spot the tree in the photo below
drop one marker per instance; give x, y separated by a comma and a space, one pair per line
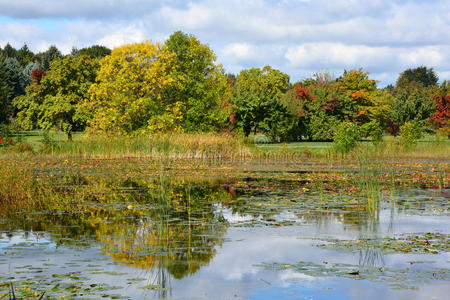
322, 109
37, 75
9, 51
28, 70
52, 99
25, 56
359, 96
203, 83
440, 118
412, 102
13, 82
46, 58
128, 96
423, 75
6, 91
95, 51
19, 80
256, 102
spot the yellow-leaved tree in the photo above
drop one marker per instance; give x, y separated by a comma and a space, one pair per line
127, 96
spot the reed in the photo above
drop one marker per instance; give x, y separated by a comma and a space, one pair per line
18, 188
174, 146
224, 149
21, 190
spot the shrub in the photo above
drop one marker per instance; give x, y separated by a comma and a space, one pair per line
346, 137
410, 132
21, 147
373, 130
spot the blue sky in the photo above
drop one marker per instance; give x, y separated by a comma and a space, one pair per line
299, 37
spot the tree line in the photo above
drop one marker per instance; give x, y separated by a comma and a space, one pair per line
146, 88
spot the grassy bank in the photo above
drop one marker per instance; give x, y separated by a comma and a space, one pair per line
217, 148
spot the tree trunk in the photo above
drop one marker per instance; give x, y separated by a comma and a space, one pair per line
69, 136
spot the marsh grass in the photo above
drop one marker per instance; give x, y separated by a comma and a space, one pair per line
369, 182
173, 146
392, 147
21, 190
216, 148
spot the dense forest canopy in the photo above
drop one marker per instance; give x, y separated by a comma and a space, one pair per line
146, 88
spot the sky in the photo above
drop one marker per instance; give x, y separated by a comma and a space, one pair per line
298, 37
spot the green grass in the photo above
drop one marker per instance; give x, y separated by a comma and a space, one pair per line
35, 137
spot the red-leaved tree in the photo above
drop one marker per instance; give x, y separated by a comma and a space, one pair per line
441, 117
37, 75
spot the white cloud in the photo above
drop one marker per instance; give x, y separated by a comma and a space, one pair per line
432, 55
195, 16
335, 55
379, 59
122, 36
240, 51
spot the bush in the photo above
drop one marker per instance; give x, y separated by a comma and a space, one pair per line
373, 130
409, 134
346, 137
21, 147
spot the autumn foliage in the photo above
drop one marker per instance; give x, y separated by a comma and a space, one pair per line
302, 93
441, 117
37, 75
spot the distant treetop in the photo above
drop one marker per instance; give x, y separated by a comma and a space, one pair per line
95, 51
423, 75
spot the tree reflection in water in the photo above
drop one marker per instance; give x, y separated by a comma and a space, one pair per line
170, 229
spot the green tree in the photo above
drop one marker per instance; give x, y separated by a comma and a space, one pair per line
412, 102
18, 78
6, 91
53, 102
9, 51
95, 51
423, 75
46, 58
203, 83
24, 55
128, 96
256, 102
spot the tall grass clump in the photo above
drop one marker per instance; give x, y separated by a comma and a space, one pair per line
369, 183
21, 190
18, 189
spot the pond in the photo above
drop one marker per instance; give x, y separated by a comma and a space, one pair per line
251, 236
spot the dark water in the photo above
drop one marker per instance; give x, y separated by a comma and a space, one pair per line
239, 239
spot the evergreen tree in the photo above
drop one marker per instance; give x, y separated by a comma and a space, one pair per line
6, 91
